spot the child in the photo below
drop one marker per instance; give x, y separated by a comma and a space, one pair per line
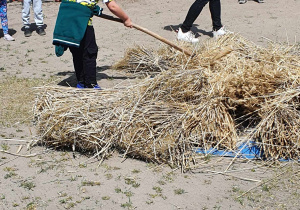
38, 17
80, 38
4, 22
184, 32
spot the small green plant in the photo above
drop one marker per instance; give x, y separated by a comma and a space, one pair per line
179, 191
9, 169
127, 205
149, 202
105, 198
265, 188
235, 189
31, 206
240, 200
90, 183
132, 182
217, 207
169, 177
136, 171
28, 185
73, 178
128, 194
161, 182
15, 205
10, 174
25, 197
157, 189
82, 165
5, 146
29, 61
70, 205
118, 190
108, 176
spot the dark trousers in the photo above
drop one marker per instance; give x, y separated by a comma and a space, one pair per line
84, 58
195, 10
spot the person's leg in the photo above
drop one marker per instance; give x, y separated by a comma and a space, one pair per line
4, 21
77, 54
3, 16
193, 14
26, 13
90, 53
38, 13
215, 11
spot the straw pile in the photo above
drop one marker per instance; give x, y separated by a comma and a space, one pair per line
229, 86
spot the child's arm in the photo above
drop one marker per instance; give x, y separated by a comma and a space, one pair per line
116, 10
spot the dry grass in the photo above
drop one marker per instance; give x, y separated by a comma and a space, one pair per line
205, 101
17, 98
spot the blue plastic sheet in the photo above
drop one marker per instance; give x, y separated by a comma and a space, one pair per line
248, 150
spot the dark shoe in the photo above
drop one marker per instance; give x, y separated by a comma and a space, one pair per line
41, 31
27, 32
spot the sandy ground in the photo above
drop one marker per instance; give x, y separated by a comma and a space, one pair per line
45, 179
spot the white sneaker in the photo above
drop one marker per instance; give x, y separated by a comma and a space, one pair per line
187, 37
8, 37
242, 1
219, 32
260, 1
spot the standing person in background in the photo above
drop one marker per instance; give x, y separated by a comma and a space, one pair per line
184, 32
74, 30
4, 21
38, 17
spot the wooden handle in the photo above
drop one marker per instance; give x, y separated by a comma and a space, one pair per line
108, 17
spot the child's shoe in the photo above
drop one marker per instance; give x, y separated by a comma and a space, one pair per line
187, 37
242, 1
80, 85
8, 37
41, 31
94, 86
219, 32
97, 87
27, 32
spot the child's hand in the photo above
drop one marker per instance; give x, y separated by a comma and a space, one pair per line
128, 23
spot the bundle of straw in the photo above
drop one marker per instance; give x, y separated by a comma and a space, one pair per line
205, 101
